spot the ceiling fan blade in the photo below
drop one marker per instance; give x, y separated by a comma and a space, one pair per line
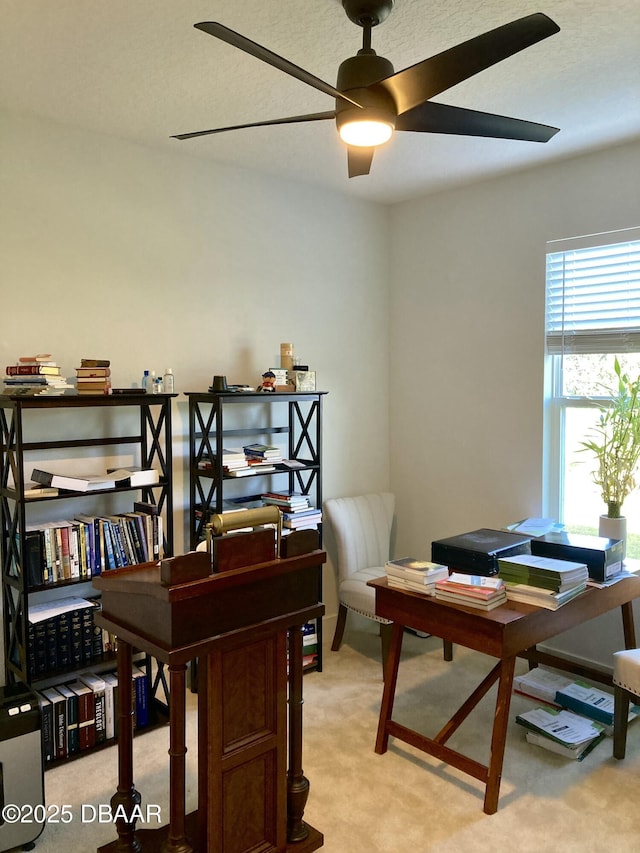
422, 81
432, 117
268, 56
289, 120
359, 160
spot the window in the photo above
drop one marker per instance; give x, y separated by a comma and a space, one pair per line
592, 316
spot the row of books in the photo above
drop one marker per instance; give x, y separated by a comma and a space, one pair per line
577, 715
62, 635
542, 581
87, 545
81, 714
414, 575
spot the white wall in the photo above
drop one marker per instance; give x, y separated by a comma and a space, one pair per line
151, 259
467, 343
113, 250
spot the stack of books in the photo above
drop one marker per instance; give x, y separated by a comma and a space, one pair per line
263, 453
560, 731
302, 519
542, 581
415, 575
234, 463
287, 501
93, 376
37, 374
479, 591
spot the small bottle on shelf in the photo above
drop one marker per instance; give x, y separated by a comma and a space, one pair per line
168, 381
145, 381
158, 385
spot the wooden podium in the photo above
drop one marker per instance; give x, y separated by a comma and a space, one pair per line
245, 628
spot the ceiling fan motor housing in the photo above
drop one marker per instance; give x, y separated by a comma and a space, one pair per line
356, 77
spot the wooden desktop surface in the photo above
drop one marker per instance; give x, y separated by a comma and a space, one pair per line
505, 633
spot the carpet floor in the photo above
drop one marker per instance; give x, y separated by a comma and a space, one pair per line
403, 800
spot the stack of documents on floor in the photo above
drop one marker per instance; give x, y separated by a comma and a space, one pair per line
542, 684
542, 581
561, 731
483, 593
415, 575
591, 702
577, 696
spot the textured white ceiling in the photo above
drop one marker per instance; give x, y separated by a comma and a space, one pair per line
138, 70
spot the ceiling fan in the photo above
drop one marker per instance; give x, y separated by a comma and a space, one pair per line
372, 100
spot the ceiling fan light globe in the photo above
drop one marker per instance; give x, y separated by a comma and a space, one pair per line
367, 133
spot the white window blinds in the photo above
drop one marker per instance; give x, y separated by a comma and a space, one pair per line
593, 294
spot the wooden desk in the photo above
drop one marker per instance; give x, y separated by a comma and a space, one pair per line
509, 631
245, 626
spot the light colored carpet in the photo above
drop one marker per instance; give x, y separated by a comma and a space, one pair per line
403, 800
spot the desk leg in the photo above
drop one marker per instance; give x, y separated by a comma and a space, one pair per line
499, 735
388, 694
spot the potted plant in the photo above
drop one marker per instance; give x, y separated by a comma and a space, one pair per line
615, 442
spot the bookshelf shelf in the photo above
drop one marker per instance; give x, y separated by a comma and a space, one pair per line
292, 421
33, 428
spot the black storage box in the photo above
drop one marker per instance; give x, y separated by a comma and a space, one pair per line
477, 552
603, 557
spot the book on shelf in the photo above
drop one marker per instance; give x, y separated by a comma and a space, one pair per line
154, 527
110, 703
32, 370
92, 372
36, 381
97, 686
59, 721
86, 714
286, 500
41, 358
140, 692
266, 451
95, 362
134, 476
37, 490
46, 717
78, 483
72, 733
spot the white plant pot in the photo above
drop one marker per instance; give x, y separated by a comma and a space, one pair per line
614, 528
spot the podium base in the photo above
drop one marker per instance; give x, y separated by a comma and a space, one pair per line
155, 840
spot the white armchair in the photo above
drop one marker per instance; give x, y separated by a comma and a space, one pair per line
362, 529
